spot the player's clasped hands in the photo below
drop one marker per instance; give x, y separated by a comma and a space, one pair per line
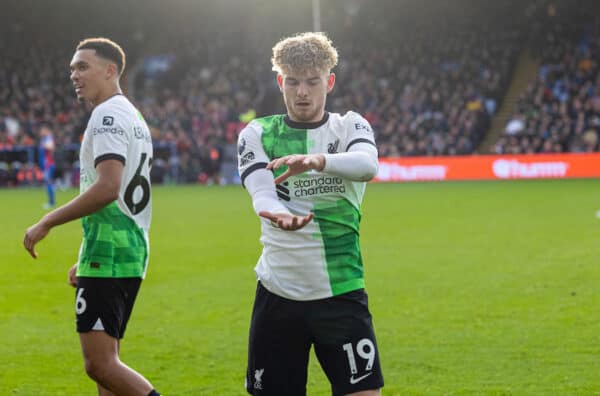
297, 163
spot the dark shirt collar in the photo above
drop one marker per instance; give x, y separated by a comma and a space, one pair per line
306, 125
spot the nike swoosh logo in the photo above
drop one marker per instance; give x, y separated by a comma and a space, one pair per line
357, 380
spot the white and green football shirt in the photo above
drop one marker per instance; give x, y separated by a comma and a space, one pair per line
115, 238
322, 259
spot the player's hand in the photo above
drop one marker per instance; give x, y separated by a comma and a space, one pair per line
33, 235
73, 275
287, 221
297, 163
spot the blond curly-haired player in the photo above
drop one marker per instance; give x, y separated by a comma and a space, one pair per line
306, 173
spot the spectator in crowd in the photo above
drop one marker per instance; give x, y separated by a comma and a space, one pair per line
47, 164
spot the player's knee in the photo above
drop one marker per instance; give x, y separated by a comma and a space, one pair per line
97, 368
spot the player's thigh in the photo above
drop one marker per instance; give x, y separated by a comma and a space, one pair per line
345, 343
278, 347
98, 347
105, 304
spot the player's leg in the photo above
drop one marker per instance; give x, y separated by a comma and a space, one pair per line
102, 391
345, 344
278, 348
102, 364
103, 309
49, 179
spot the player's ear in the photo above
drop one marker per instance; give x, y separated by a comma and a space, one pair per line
330, 82
111, 71
280, 82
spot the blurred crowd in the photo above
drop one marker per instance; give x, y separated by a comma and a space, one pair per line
559, 111
428, 94
427, 88
35, 93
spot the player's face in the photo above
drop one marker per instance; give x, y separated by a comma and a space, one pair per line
90, 75
304, 93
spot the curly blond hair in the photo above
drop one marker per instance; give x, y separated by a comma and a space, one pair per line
304, 51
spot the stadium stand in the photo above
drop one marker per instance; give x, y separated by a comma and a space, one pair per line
559, 111
429, 79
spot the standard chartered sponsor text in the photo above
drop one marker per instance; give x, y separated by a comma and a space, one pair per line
318, 185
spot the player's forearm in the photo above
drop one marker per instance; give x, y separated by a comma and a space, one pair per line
353, 165
265, 201
261, 188
95, 198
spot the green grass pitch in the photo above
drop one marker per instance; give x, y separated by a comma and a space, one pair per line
480, 288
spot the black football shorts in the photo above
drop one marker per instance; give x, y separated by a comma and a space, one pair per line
105, 304
282, 332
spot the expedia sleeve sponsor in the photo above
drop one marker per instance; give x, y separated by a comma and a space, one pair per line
105, 129
109, 132
358, 130
359, 126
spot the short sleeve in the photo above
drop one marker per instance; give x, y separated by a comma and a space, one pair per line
359, 131
109, 131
